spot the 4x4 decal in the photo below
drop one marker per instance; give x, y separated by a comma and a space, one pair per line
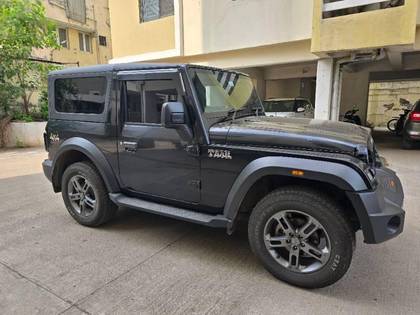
219, 154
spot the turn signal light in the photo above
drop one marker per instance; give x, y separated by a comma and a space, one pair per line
415, 116
298, 173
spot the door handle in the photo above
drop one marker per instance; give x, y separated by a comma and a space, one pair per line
129, 146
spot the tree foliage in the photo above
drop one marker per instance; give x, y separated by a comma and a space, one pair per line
23, 28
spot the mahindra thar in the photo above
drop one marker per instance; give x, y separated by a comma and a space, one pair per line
193, 143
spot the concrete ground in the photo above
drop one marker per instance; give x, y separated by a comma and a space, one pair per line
141, 263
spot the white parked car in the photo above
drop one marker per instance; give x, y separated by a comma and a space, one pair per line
298, 107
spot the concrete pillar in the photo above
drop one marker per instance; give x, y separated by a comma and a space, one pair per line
324, 88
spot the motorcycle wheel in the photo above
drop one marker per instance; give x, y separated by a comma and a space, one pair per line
392, 124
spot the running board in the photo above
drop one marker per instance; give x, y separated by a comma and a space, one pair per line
217, 221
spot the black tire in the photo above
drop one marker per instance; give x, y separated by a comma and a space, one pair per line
392, 124
326, 212
407, 144
104, 208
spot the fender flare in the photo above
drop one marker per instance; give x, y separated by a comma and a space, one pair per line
94, 154
342, 176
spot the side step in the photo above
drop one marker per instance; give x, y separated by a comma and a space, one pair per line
217, 221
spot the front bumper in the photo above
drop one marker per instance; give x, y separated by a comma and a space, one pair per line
47, 167
380, 211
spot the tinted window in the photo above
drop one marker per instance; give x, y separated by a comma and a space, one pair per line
280, 106
133, 102
155, 94
80, 95
417, 106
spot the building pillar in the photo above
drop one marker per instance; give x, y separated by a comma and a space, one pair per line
324, 88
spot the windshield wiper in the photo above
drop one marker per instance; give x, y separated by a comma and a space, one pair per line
229, 115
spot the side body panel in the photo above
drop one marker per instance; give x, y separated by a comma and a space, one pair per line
93, 135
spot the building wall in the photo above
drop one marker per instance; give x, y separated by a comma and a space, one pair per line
284, 88
97, 23
378, 28
354, 92
293, 52
216, 26
381, 93
130, 37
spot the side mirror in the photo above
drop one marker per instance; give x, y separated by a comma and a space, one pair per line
173, 114
174, 117
300, 109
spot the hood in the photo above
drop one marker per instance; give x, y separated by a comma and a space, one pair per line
297, 133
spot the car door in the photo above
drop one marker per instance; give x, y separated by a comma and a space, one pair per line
153, 160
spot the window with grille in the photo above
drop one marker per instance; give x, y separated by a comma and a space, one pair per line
85, 42
76, 10
155, 9
102, 40
63, 38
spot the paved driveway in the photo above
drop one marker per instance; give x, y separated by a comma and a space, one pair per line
141, 263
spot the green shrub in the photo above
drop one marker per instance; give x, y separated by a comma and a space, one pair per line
22, 117
43, 104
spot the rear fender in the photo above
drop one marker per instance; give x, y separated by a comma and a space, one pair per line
95, 156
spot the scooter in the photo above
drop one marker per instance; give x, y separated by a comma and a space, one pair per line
351, 117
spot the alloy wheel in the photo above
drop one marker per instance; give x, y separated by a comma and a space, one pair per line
297, 241
81, 195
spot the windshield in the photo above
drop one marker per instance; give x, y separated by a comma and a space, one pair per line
223, 94
280, 106
283, 106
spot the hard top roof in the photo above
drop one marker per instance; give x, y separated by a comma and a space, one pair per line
125, 66
278, 99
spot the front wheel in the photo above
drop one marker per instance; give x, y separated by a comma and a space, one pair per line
301, 237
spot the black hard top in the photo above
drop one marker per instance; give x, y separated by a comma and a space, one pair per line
115, 67
127, 66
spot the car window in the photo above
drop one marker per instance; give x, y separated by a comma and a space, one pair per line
144, 99
80, 95
304, 104
133, 101
416, 106
279, 106
156, 93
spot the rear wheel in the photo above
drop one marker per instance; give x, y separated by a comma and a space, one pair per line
301, 237
392, 124
85, 195
407, 144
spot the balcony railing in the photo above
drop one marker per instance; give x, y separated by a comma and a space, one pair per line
333, 8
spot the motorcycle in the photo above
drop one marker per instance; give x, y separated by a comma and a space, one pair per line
351, 117
396, 124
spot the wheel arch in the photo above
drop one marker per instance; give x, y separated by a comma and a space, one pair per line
268, 173
79, 149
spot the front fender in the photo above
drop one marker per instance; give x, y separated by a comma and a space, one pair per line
93, 153
342, 176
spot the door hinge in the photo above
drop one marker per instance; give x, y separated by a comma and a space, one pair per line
193, 149
195, 183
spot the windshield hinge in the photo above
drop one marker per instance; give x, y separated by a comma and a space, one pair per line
193, 149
